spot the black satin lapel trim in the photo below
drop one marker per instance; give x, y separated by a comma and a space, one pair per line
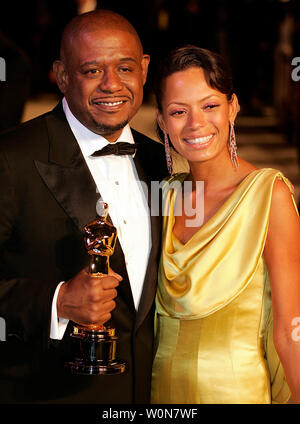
150, 281
63, 147
138, 161
74, 189
117, 264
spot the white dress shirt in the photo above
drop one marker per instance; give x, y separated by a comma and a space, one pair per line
117, 181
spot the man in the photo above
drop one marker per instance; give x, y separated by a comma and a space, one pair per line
50, 184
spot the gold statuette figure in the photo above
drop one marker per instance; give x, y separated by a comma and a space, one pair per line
96, 344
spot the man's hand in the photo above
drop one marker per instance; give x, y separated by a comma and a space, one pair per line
88, 300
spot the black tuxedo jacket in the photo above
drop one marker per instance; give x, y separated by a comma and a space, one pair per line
47, 196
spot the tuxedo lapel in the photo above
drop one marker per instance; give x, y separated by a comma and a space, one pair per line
66, 173
79, 204
149, 288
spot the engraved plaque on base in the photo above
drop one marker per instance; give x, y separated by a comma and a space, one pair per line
96, 345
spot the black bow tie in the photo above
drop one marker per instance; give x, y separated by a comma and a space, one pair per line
116, 149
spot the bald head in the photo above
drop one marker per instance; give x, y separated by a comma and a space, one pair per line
91, 22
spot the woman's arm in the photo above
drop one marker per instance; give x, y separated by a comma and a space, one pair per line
282, 256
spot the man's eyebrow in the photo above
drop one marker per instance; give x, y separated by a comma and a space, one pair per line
92, 62
96, 62
128, 59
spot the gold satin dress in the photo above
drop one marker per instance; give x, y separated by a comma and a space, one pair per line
214, 323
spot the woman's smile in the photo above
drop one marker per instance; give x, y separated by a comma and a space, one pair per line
199, 142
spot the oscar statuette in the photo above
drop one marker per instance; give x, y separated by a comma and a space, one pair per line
96, 344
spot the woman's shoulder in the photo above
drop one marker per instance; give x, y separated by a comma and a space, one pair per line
274, 182
282, 190
279, 182
275, 176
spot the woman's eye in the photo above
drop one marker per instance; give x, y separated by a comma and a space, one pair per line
177, 113
211, 106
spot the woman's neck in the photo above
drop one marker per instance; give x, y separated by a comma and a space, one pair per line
218, 174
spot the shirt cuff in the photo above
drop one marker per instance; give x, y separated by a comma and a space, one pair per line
58, 325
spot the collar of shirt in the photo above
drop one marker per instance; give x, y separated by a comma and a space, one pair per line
89, 141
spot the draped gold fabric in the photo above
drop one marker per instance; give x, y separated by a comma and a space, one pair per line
214, 339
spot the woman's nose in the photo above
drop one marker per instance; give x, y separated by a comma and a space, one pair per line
196, 119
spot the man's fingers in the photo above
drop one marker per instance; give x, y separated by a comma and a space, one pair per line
109, 283
114, 274
104, 319
103, 291
109, 306
104, 295
101, 314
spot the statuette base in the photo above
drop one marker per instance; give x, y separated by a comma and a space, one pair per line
96, 351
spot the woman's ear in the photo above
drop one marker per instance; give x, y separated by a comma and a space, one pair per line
234, 108
160, 121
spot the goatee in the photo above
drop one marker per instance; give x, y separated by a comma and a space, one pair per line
104, 129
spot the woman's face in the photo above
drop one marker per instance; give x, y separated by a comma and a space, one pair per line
196, 116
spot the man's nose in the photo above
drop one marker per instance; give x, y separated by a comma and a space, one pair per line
110, 81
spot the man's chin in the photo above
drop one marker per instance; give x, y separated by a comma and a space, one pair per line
108, 130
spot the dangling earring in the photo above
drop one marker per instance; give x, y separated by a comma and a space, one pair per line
168, 154
233, 147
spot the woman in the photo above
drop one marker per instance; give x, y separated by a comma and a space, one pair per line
215, 316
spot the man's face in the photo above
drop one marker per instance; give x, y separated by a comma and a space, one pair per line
102, 78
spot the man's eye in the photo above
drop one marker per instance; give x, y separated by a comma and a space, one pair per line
91, 71
125, 69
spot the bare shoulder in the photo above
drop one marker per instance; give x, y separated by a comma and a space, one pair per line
283, 212
281, 191
283, 205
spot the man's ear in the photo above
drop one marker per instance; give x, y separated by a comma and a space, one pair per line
234, 107
145, 64
61, 75
160, 121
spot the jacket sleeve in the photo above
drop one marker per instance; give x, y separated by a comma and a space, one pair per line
25, 303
